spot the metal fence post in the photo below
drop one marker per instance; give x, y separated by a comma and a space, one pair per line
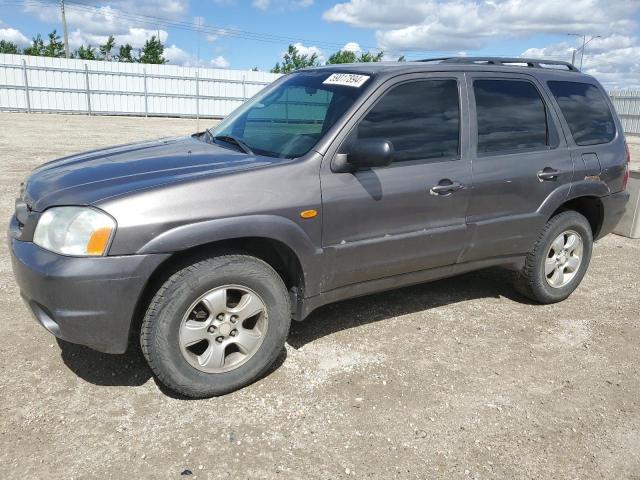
86, 78
26, 85
244, 88
197, 96
146, 102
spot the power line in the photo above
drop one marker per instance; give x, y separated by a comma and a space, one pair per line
158, 21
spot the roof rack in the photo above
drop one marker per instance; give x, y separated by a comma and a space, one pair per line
504, 61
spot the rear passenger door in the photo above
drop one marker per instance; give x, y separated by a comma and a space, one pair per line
519, 157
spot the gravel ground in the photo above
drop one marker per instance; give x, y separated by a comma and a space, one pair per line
460, 378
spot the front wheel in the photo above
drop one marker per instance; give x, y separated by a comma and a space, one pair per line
558, 261
216, 325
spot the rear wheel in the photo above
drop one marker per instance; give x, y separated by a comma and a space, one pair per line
216, 325
559, 259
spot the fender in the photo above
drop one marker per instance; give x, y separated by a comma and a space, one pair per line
273, 227
582, 188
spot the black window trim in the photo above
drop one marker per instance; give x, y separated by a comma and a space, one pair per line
425, 161
565, 123
554, 143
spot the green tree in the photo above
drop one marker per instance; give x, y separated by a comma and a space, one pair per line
125, 54
106, 48
402, 59
85, 53
36, 48
343, 56
370, 57
292, 60
347, 56
8, 47
55, 48
152, 51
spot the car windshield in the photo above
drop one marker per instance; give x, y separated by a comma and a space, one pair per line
287, 119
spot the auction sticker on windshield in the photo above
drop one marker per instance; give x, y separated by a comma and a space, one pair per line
346, 79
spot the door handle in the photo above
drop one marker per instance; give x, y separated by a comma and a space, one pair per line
446, 187
548, 173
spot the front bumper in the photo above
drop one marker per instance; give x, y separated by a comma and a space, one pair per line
90, 301
614, 206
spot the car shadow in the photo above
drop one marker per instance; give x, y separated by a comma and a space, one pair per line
131, 369
489, 283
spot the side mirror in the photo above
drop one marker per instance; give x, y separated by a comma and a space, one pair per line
365, 153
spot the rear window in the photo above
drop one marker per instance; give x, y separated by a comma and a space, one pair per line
586, 111
511, 116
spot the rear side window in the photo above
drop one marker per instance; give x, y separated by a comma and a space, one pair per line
421, 119
586, 111
511, 116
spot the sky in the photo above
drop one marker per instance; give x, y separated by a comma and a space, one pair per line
243, 34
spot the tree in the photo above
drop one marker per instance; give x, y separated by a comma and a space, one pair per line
36, 48
402, 59
347, 56
105, 48
55, 48
292, 60
343, 56
8, 47
85, 53
370, 57
125, 54
152, 51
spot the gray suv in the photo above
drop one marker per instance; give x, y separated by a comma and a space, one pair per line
331, 183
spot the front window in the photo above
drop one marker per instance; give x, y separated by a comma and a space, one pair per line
288, 119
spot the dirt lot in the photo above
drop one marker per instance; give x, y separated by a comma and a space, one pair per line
461, 378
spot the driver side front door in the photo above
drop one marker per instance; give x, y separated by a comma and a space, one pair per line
409, 216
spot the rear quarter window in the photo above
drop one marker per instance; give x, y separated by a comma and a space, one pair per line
586, 111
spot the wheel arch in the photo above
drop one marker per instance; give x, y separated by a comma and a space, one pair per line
590, 207
278, 255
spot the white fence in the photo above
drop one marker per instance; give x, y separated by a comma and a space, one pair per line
627, 103
41, 84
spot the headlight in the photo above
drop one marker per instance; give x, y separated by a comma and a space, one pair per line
79, 231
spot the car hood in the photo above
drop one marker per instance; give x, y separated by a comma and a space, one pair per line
92, 176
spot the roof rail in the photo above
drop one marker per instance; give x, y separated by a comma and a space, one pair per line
504, 61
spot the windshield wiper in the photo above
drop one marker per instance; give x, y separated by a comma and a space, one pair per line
229, 139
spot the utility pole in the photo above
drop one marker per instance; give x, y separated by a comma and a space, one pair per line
573, 57
64, 27
585, 42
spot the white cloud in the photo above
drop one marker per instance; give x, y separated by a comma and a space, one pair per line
220, 62
304, 50
261, 4
612, 60
176, 56
352, 47
136, 37
12, 35
469, 24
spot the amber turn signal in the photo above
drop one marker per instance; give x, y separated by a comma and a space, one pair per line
98, 241
308, 213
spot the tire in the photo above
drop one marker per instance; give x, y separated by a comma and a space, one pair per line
538, 280
172, 316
